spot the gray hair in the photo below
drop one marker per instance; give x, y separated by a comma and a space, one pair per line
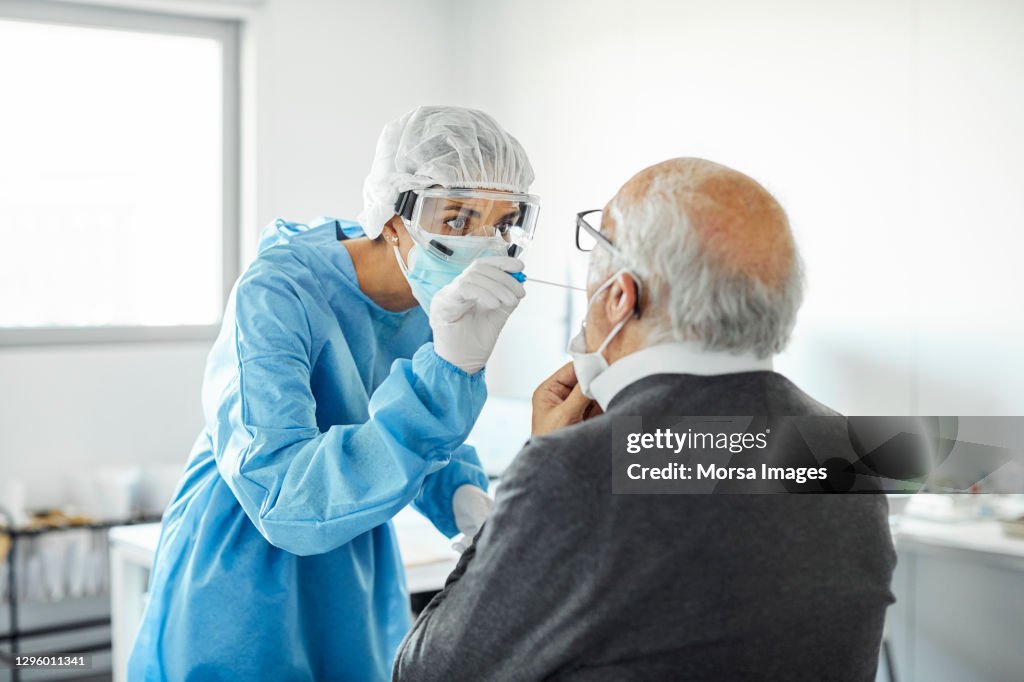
692, 294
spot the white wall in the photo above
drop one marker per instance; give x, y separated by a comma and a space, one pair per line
890, 131
328, 74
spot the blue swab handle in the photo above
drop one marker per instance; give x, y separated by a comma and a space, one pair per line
518, 276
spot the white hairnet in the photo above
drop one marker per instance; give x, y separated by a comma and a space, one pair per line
447, 146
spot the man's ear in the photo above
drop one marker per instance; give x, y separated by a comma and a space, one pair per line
621, 300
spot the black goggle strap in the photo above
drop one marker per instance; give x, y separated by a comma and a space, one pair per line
405, 204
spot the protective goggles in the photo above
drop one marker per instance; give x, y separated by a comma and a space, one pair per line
459, 225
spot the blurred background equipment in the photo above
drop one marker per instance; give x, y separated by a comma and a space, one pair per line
54, 565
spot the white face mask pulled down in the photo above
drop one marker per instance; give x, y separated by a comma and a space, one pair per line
589, 366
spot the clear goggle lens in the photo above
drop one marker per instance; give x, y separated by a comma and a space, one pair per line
460, 225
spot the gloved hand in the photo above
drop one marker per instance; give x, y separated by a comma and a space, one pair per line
468, 314
471, 506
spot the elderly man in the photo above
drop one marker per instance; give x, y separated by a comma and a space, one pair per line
694, 285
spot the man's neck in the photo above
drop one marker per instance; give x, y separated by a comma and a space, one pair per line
677, 357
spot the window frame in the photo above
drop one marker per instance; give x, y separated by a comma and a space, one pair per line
228, 33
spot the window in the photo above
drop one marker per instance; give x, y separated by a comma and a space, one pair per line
119, 173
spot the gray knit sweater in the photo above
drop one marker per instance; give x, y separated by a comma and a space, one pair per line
568, 581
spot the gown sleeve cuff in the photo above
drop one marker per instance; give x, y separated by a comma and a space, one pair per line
430, 355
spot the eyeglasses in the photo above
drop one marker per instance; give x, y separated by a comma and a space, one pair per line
588, 232
588, 235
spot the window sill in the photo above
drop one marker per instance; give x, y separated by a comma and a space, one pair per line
67, 336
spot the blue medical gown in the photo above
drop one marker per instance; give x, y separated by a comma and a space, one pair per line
325, 415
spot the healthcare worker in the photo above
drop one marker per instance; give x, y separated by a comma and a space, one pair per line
332, 401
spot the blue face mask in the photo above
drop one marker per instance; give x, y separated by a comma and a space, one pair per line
427, 273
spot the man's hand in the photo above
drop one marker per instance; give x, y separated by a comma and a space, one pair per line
558, 402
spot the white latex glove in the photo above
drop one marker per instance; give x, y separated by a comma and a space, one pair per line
468, 314
471, 506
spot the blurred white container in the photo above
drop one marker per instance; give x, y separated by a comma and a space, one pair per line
108, 494
78, 554
118, 490
156, 487
12, 500
51, 549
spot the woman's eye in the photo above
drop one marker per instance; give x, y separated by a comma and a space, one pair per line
503, 228
456, 224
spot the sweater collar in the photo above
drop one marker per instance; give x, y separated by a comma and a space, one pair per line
680, 357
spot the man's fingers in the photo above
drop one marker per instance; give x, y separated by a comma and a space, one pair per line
576, 403
557, 387
549, 415
564, 375
551, 393
592, 410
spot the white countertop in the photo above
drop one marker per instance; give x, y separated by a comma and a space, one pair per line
426, 553
976, 536
429, 558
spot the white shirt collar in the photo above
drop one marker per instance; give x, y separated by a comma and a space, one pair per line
682, 357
